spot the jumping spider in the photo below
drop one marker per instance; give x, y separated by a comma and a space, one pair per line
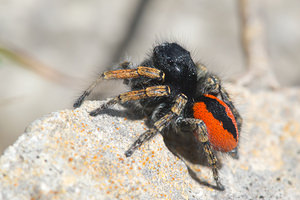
171, 89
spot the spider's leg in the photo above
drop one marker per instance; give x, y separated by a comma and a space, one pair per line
151, 73
200, 133
234, 153
154, 91
142, 139
160, 124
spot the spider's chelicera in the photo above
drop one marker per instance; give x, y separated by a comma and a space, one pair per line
170, 89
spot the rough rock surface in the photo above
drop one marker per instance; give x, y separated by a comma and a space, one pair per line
70, 155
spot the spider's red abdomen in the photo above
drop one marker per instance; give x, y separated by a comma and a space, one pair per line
219, 120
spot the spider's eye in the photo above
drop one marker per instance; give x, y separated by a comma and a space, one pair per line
170, 61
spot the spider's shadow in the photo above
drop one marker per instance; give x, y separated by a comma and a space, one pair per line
182, 146
186, 148
122, 113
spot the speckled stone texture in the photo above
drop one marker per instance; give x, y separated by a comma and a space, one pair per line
70, 155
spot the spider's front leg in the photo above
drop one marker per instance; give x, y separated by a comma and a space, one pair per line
200, 132
160, 124
148, 72
154, 91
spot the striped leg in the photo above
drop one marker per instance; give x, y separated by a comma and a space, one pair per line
154, 91
159, 125
200, 133
148, 72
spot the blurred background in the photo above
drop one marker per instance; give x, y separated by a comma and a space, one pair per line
51, 50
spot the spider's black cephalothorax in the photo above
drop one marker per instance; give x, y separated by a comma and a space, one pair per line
178, 66
176, 94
